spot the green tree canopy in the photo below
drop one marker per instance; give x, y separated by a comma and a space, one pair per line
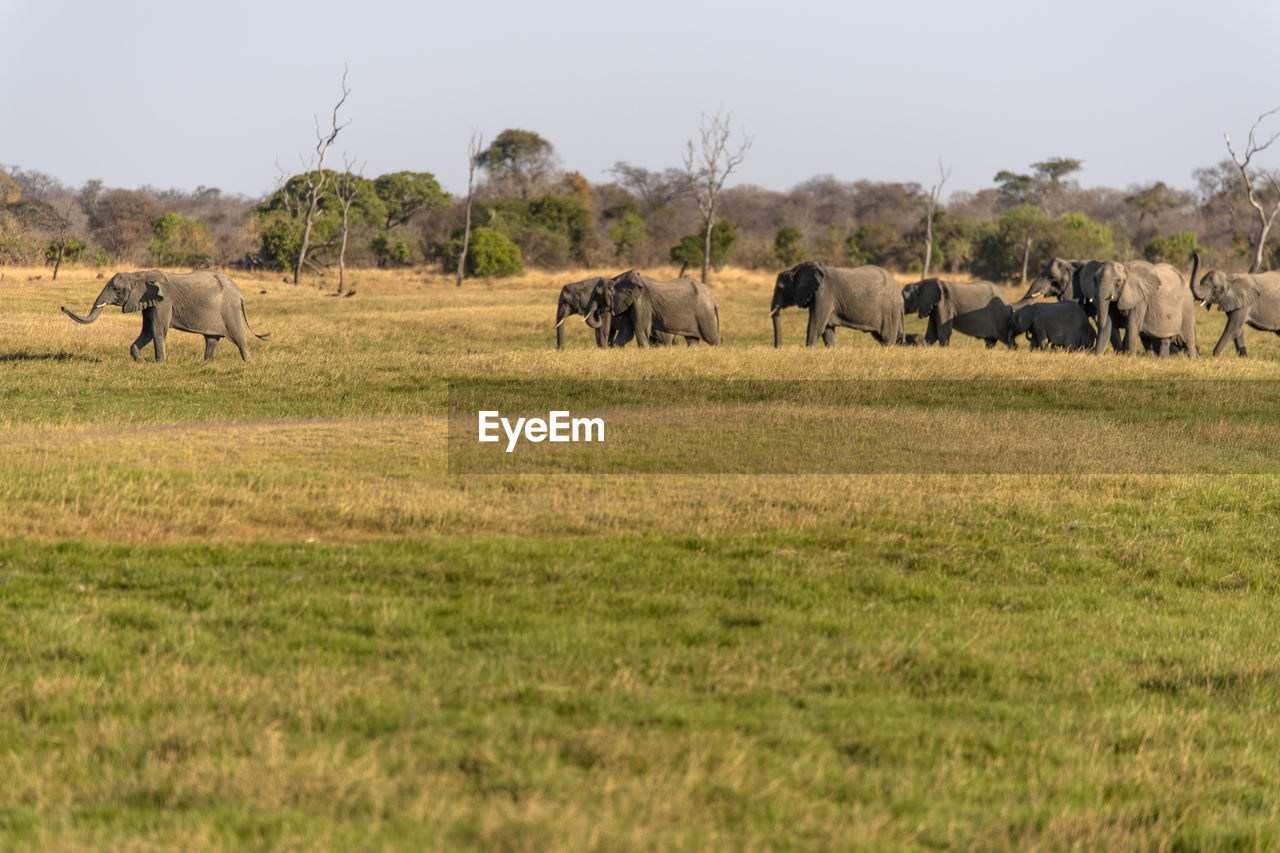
689, 249
516, 160
279, 219
789, 247
181, 242
404, 194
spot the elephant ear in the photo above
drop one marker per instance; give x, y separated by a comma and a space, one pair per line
930, 296
1240, 292
1136, 288
808, 279
146, 290
624, 295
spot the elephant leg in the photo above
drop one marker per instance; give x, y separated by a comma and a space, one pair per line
931, 333
159, 344
1162, 348
944, 333
990, 342
1038, 339
1234, 332
210, 341
817, 326
1240, 350
829, 336
143, 339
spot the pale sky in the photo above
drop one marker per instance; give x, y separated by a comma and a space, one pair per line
170, 94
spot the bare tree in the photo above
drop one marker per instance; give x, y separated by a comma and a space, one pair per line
707, 167
1252, 188
473, 154
315, 176
935, 193
346, 187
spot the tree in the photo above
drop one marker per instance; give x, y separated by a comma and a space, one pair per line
517, 161
180, 242
492, 254
121, 222
346, 187
653, 190
690, 250
1039, 190
629, 236
405, 194
708, 166
473, 157
1175, 249
316, 176
1253, 188
935, 193
789, 247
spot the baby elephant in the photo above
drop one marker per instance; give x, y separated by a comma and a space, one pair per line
1060, 324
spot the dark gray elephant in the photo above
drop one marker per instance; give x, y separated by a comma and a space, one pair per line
1155, 303
1248, 300
976, 308
1076, 281
864, 298
573, 300
207, 303
643, 307
1060, 324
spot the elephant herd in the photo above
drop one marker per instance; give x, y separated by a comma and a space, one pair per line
1098, 303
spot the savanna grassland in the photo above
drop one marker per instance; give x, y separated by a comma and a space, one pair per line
962, 599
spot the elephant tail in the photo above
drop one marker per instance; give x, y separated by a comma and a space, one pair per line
245, 314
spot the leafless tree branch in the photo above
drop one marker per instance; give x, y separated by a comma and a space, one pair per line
1265, 218
707, 167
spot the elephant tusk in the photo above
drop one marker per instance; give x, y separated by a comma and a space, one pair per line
774, 312
561, 323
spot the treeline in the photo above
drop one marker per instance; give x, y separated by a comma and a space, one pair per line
529, 212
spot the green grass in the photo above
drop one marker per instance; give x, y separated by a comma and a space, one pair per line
250, 606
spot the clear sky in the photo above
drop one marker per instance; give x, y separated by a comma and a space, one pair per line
227, 94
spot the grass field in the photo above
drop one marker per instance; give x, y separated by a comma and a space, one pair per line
959, 599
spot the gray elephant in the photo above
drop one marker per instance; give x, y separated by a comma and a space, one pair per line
1155, 303
864, 298
573, 300
207, 303
1060, 324
1076, 281
976, 308
643, 307
1248, 300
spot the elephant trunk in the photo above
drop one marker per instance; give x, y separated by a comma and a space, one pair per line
1195, 285
561, 316
777, 329
93, 315
594, 320
101, 302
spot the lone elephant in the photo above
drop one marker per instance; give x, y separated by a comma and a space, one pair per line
1248, 300
643, 307
864, 298
976, 308
207, 303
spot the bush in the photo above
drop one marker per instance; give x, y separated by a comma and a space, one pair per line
689, 249
1175, 249
491, 254
788, 247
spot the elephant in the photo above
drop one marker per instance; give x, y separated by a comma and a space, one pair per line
643, 307
1155, 302
1248, 300
976, 308
573, 300
1075, 281
1061, 324
864, 298
206, 302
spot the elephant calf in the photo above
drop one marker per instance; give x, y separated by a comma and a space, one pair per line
207, 303
976, 308
1059, 324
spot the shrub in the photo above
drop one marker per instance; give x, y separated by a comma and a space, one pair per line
491, 254
1175, 249
689, 249
788, 247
